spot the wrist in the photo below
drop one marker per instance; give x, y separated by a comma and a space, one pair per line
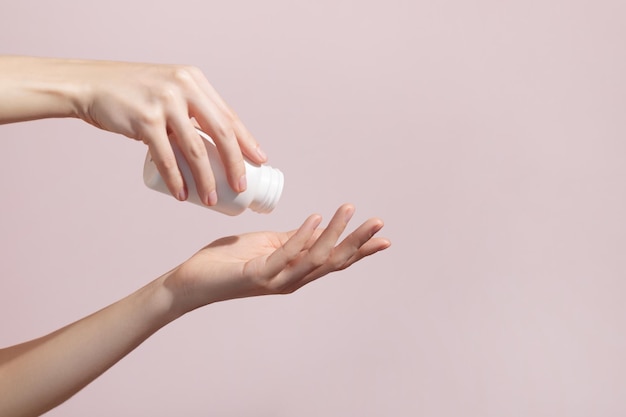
65, 84
159, 301
38, 88
183, 291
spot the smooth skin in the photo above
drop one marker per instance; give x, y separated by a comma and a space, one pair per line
149, 103
38, 375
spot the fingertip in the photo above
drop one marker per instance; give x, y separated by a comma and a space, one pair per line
261, 156
312, 222
248, 143
375, 245
349, 212
236, 173
315, 219
175, 183
385, 243
182, 194
212, 198
347, 206
377, 223
242, 183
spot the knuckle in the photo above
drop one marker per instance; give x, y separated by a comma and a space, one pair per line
234, 160
185, 75
291, 252
339, 264
196, 149
151, 116
181, 73
338, 261
167, 163
231, 116
168, 94
235, 163
318, 259
224, 131
193, 70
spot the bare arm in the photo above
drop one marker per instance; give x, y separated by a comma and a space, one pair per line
38, 375
41, 374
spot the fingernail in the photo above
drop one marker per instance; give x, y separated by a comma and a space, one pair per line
182, 194
242, 183
212, 198
261, 154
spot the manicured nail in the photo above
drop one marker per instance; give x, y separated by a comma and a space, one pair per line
182, 194
242, 184
212, 198
261, 154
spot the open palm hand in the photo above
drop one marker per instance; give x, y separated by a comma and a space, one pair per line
273, 262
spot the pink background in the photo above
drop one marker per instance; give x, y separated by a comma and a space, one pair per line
489, 135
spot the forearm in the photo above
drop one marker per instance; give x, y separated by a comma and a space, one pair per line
41, 374
38, 375
36, 88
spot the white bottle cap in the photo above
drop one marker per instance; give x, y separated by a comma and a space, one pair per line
269, 189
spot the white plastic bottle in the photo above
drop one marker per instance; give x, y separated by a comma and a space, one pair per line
264, 183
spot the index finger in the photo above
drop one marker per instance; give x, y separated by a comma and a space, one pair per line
246, 140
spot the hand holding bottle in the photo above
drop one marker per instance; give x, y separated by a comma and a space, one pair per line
147, 102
